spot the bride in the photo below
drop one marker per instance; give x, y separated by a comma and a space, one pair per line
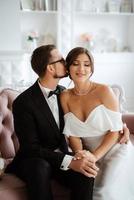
93, 122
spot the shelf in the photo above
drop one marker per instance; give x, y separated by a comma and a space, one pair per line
104, 13
38, 12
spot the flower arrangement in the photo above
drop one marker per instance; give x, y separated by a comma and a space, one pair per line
86, 40
32, 38
33, 35
86, 37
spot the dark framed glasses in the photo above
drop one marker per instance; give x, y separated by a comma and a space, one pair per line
61, 61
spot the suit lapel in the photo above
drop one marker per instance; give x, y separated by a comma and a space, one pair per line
40, 101
61, 120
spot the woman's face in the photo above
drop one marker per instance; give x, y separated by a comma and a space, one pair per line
80, 70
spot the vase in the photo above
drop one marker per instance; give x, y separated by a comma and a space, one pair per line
31, 44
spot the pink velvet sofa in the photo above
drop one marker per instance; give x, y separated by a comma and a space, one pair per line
11, 187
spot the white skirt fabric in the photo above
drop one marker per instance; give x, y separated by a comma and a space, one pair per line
115, 179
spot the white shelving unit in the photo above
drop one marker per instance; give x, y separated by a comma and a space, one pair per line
65, 25
43, 23
67, 21
55, 23
115, 27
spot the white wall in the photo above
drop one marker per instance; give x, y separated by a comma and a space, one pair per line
9, 25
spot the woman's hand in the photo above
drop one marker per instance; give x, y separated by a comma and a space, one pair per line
124, 135
84, 162
84, 154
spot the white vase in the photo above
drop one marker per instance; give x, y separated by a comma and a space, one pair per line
31, 44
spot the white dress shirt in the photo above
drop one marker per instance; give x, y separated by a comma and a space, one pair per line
53, 104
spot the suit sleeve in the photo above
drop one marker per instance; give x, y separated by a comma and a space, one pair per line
26, 130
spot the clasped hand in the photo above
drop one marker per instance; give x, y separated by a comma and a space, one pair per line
84, 162
83, 154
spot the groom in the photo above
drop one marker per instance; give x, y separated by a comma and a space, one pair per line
38, 122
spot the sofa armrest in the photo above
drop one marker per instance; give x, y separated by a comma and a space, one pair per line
128, 118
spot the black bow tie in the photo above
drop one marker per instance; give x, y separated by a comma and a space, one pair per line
56, 92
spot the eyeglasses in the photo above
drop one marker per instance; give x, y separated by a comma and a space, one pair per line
61, 61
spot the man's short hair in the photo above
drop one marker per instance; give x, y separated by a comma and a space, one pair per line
40, 58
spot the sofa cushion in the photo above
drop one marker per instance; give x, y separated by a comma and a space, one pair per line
12, 188
10, 181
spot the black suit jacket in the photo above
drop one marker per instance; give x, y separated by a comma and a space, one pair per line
36, 128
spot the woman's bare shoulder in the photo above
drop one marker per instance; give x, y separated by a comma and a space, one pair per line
102, 89
107, 97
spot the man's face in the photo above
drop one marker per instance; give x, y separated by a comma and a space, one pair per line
58, 63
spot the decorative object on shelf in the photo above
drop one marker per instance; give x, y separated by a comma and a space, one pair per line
32, 40
126, 5
113, 5
47, 5
86, 40
98, 6
101, 6
54, 4
91, 6
126, 49
111, 44
48, 39
85, 5
39, 4
79, 5
100, 40
120, 45
26, 4
104, 41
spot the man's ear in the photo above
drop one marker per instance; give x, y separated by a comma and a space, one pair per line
50, 68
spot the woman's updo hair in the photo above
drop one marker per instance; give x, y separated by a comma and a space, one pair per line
74, 53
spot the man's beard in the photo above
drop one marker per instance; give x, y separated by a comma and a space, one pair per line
60, 76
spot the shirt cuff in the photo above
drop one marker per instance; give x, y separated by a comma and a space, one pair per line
66, 162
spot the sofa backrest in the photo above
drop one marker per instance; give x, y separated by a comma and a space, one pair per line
8, 141
120, 93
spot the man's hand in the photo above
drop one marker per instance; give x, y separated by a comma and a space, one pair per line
85, 165
124, 135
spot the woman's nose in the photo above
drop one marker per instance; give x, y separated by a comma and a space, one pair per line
81, 67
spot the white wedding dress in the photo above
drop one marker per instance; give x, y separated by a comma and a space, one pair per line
115, 179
